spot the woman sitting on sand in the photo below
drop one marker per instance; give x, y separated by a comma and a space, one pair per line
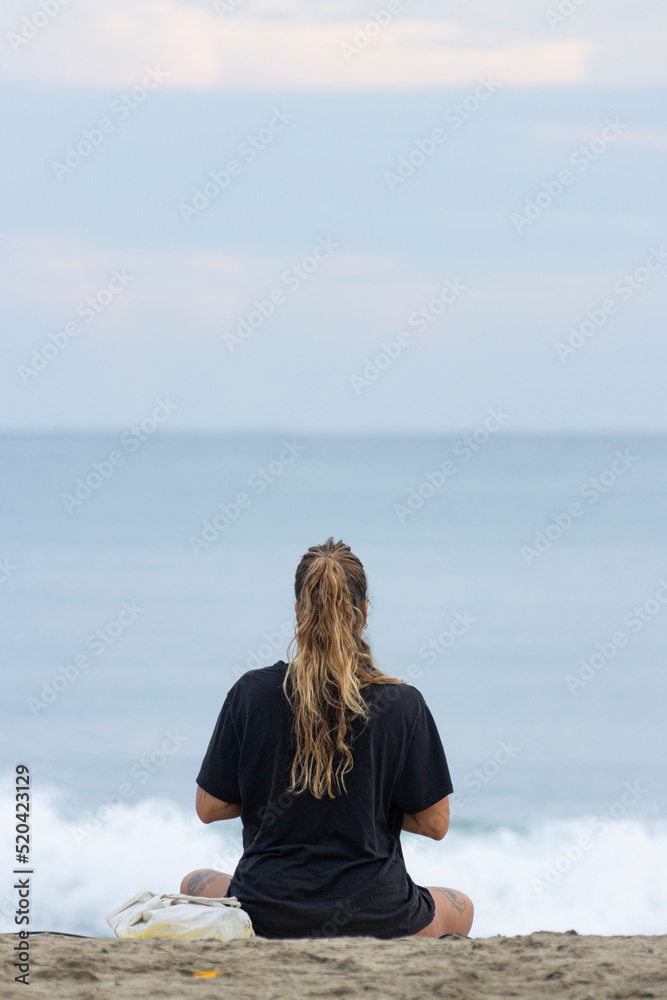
326, 759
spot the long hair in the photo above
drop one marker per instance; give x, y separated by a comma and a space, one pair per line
331, 665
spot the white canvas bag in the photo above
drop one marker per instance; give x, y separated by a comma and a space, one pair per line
153, 915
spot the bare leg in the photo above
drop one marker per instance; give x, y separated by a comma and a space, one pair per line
206, 882
453, 913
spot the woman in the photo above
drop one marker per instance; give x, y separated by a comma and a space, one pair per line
326, 759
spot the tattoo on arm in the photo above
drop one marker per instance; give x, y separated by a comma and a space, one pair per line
199, 880
456, 903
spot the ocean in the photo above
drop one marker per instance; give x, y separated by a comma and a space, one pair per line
519, 581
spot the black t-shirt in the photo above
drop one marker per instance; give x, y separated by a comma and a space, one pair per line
326, 866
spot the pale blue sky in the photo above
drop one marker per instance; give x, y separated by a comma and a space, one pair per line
332, 126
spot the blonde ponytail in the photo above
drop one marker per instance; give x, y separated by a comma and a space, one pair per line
331, 665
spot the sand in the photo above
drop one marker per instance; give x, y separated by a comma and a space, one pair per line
541, 965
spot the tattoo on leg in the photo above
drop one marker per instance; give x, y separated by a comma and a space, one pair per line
457, 904
200, 880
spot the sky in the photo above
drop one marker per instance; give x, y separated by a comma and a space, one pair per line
333, 216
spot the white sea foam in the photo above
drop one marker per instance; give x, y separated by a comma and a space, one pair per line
613, 881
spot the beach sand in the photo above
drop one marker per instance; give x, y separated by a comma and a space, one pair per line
568, 966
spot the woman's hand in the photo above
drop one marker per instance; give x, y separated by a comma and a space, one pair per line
209, 809
432, 822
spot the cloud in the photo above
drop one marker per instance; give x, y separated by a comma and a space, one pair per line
109, 45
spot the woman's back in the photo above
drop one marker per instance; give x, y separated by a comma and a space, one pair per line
325, 759
326, 865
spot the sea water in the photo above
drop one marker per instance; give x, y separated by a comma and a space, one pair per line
519, 582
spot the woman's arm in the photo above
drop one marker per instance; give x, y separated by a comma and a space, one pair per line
210, 809
432, 822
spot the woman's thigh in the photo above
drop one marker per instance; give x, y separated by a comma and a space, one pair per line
453, 913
